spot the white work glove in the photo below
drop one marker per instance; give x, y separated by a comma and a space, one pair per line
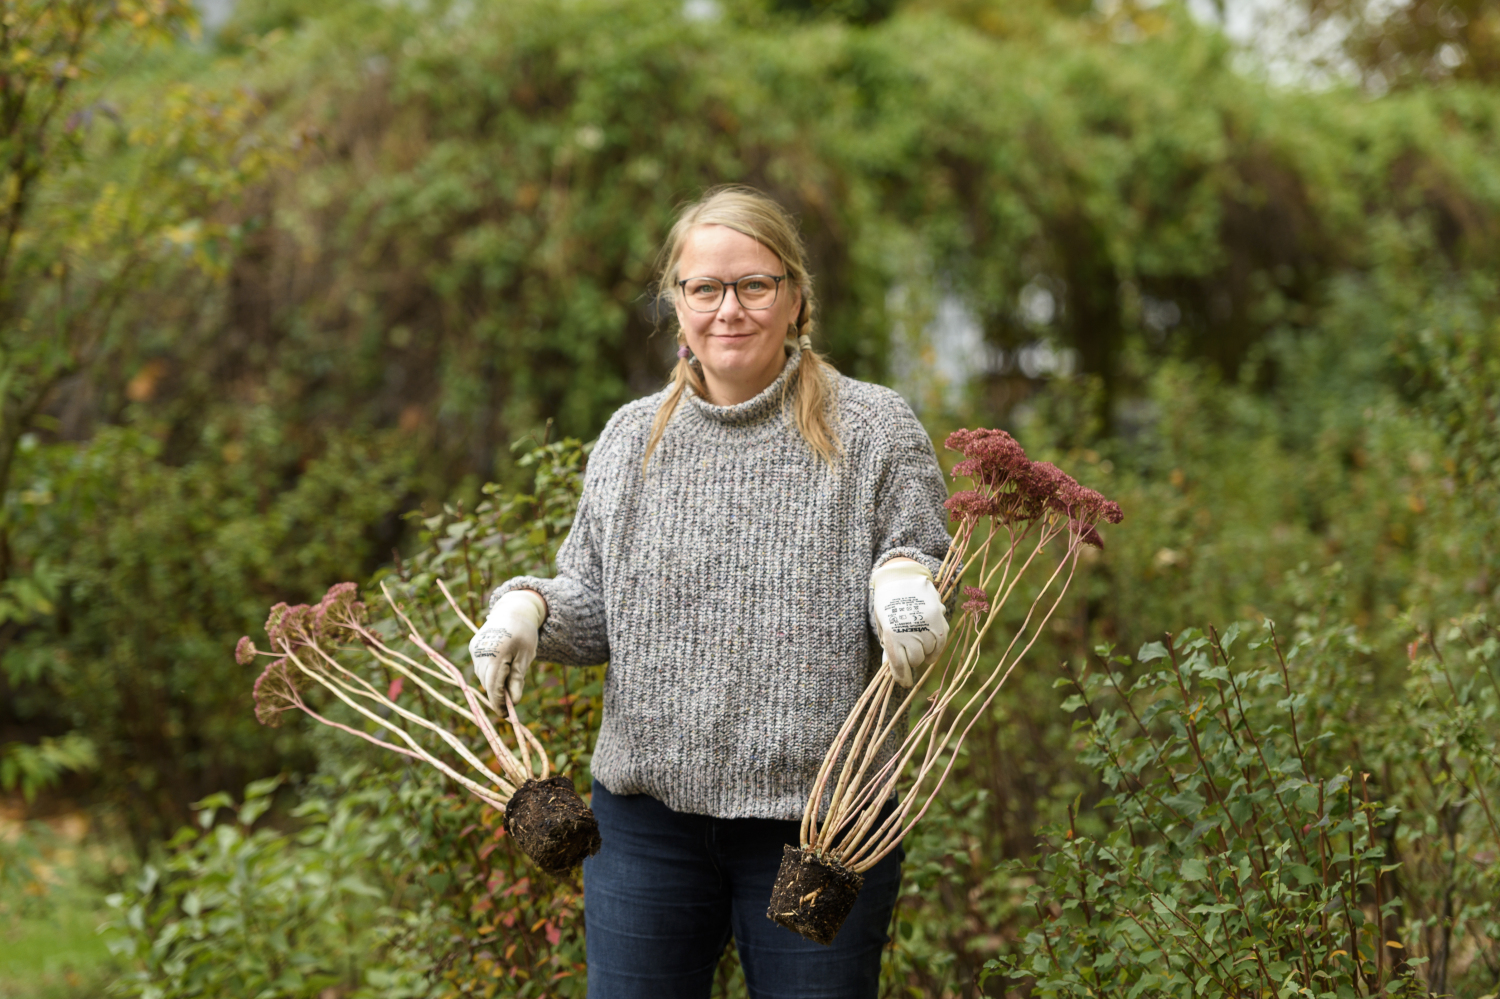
503, 649
908, 616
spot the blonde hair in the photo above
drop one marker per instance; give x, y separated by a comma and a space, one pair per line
748, 211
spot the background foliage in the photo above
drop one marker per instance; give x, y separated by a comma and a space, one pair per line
269, 287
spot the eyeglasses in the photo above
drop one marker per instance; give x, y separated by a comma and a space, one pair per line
754, 292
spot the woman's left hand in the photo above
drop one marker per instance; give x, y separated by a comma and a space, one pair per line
909, 616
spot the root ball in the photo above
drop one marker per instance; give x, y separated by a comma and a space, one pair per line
552, 824
813, 895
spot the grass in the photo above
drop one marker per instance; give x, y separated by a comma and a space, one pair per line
52, 876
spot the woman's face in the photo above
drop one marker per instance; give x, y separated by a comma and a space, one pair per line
741, 351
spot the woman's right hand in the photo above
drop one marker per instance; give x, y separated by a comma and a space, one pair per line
503, 649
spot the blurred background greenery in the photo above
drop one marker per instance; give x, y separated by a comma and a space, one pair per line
274, 277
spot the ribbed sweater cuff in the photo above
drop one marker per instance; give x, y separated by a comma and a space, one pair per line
915, 554
575, 632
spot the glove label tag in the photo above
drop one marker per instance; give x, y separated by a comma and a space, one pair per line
905, 615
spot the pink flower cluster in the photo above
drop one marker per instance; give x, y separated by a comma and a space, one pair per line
978, 602
279, 687
306, 624
1012, 487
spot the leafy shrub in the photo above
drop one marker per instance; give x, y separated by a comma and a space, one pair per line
238, 911
474, 239
1436, 755
1268, 829
464, 912
162, 561
114, 217
35, 767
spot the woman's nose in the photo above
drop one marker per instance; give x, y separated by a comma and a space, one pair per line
730, 308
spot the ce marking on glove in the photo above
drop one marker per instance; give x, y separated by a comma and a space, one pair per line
905, 615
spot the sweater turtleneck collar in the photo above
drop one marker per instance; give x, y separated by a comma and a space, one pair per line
764, 405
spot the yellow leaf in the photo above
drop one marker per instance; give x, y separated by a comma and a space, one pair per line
183, 234
1395, 943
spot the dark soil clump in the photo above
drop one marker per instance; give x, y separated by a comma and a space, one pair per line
813, 895
552, 824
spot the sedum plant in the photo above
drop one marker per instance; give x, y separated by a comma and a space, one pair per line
1021, 529
322, 645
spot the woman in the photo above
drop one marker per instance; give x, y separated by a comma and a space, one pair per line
738, 536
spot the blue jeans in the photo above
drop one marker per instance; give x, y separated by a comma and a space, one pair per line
668, 890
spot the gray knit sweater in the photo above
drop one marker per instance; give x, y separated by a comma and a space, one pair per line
727, 588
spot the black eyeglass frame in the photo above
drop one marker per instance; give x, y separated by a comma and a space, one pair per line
726, 285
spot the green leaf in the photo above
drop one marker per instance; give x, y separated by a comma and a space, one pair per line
207, 806
252, 810
1304, 874
261, 788
1193, 869
1150, 652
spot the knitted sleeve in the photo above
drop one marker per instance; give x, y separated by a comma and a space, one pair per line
910, 520
576, 631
